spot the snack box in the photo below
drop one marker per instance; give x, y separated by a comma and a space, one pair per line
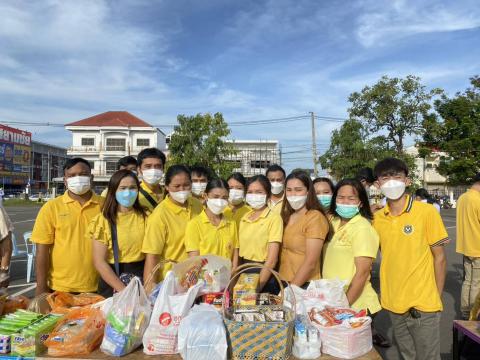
29, 341
13, 323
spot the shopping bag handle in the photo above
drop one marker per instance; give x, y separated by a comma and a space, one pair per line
148, 282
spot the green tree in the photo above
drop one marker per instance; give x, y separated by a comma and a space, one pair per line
456, 131
393, 106
200, 139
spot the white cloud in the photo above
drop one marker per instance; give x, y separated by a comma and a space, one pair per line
381, 23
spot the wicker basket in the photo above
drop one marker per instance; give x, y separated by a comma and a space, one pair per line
257, 340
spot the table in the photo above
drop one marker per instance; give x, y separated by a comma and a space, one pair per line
467, 328
139, 355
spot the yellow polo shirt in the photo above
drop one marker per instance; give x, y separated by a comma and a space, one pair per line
63, 223
407, 276
468, 223
276, 207
201, 235
143, 200
165, 234
130, 233
238, 214
255, 235
357, 238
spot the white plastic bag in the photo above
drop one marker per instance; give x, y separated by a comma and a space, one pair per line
161, 336
127, 320
202, 335
320, 293
212, 271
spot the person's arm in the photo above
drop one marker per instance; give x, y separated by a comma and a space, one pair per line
151, 260
363, 267
100, 262
235, 260
193, 253
440, 266
313, 251
272, 257
42, 266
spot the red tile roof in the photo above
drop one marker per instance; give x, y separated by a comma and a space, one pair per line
111, 118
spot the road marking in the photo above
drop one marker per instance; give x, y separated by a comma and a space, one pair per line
18, 222
450, 227
19, 285
31, 287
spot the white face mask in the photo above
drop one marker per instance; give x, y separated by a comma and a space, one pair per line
79, 185
277, 187
256, 201
198, 188
297, 202
236, 196
180, 196
152, 176
216, 206
393, 189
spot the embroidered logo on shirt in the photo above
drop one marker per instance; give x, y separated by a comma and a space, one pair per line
408, 229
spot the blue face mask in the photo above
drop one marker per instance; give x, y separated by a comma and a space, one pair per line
347, 211
325, 200
126, 198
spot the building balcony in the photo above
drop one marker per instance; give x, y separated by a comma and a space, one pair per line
91, 150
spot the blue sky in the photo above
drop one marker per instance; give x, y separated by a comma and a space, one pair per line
66, 60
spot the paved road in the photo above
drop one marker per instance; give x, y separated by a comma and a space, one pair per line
23, 219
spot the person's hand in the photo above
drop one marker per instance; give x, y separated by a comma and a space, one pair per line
376, 207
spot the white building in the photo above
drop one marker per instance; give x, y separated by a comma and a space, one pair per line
426, 171
255, 156
105, 138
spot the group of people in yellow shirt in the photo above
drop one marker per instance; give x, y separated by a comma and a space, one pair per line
305, 229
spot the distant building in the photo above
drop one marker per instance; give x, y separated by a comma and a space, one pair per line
47, 164
255, 156
426, 171
105, 138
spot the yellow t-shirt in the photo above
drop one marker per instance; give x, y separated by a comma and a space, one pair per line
276, 207
468, 223
407, 276
62, 222
357, 238
238, 214
254, 235
165, 234
201, 235
130, 233
143, 200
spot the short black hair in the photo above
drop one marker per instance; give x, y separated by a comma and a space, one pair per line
364, 209
391, 166
423, 193
74, 161
476, 178
275, 167
238, 177
151, 153
175, 170
366, 174
325, 180
215, 184
125, 161
263, 180
200, 171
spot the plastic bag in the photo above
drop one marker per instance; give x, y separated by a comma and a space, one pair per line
320, 293
161, 336
212, 271
127, 320
306, 343
61, 302
201, 335
40, 305
13, 303
78, 333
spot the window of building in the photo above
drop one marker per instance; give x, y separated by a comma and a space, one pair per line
260, 164
143, 142
111, 167
89, 141
115, 144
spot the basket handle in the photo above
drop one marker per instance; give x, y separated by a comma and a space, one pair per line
243, 268
149, 281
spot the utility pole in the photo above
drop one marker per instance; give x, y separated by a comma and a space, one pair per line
314, 145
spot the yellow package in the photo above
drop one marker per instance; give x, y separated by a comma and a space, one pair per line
244, 292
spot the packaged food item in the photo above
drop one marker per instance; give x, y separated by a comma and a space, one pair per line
307, 342
215, 299
127, 320
245, 291
29, 341
78, 333
11, 324
330, 316
191, 276
61, 302
39, 304
14, 303
275, 315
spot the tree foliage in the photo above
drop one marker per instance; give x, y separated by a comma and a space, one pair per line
395, 107
455, 130
200, 140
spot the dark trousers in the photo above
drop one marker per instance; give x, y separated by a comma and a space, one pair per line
135, 268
